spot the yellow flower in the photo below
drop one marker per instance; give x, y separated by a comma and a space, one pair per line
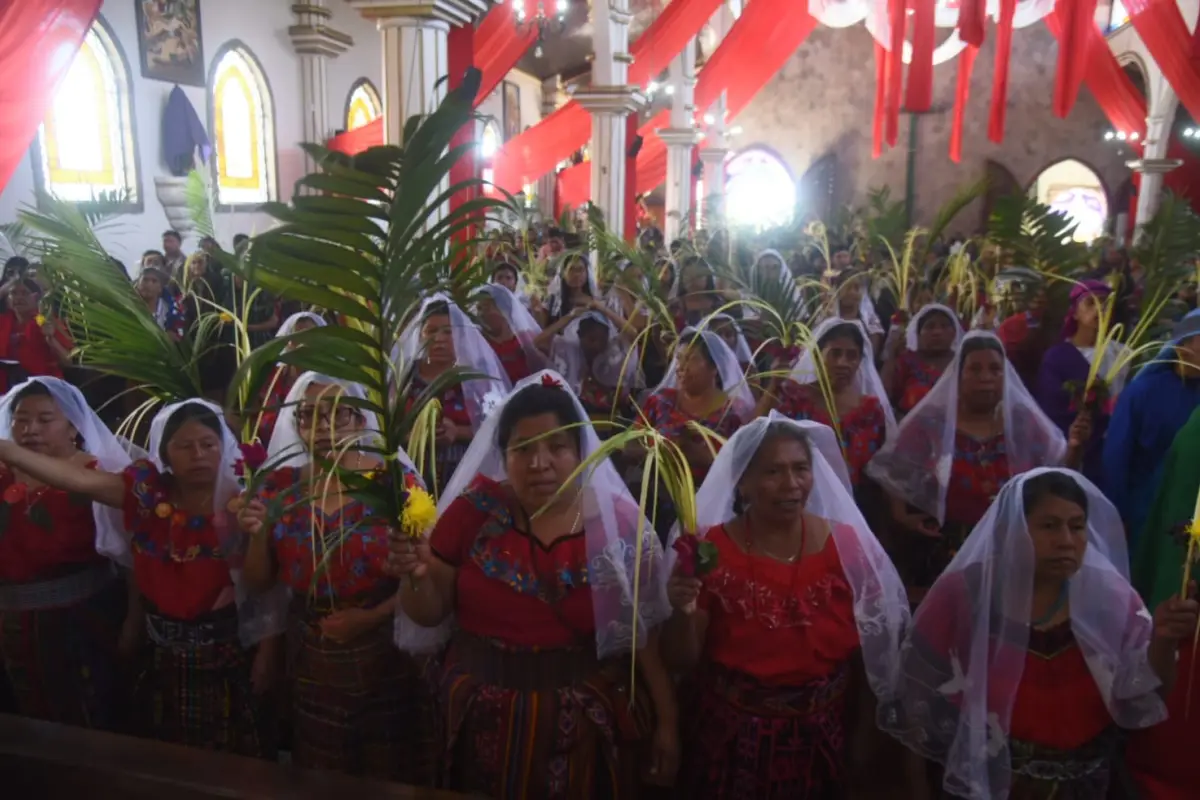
226, 318
1194, 530
40, 319
369, 475
419, 514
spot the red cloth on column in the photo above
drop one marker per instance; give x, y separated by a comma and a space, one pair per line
919, 96
629, 207
38, 43
1077, 18
962, 91
1004, 34
460, 56
539, 149
1161, 27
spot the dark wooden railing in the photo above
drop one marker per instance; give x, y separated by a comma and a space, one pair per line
41, 761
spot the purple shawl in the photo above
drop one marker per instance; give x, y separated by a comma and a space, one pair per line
1062, 363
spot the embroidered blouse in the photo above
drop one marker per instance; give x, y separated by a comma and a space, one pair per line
44, 532
782, 624
179, 560
663, 413
862, 430
510, 586
915, 377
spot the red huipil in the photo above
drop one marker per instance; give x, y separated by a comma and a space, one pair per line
25, 343
512, 357
663, 413
915, 377
45, 532
178, 560
862, 430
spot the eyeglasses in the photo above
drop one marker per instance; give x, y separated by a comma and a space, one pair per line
337, 416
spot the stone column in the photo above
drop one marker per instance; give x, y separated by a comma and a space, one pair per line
710, 205
1154, 164
680, 138
315, 42
610, 99
414, 36
551, 87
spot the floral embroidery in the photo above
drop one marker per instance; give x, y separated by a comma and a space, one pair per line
163, 532
862, 430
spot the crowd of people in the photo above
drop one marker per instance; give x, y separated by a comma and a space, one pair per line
925, 561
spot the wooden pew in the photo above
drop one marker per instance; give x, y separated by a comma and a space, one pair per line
42, 761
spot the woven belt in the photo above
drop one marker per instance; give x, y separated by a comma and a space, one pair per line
219, 628
59, 592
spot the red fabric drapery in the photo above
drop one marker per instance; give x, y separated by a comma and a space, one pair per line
38, 43
460, 54
1004, 34
1161, 27
894, 70
919, 95
756, 47
1077, 18
631, 168
497, 47
971, 17
539, 149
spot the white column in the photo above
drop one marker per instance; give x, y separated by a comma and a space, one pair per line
710, 205
610, 100
414, 36
1154, 164
315, 43
680, 138
551, 88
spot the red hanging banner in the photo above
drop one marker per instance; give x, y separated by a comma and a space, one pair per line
1077, 18
1004, 34
881, 55
38, 43
460, 53
897, 24
962, 90
631, 168
919, 96
1161, 27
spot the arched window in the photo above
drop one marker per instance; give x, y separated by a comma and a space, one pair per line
759, 189
363, 105
243, 125
1075, 189
85, 146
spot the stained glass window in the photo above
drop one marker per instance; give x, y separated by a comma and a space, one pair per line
363, 106
85, 143
243, 130
1074, 189
759, 190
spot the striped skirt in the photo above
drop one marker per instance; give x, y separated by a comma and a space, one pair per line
195, 689
62, 662
746, 741
537, 725
359, 707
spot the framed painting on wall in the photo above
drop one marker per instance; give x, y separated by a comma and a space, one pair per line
169, 41
512, 110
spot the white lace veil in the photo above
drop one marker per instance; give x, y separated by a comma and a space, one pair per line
616, 365
612, 523
881, 607
286, 448
915, 464
914, 325
965, 653
289, 325
260, 615
867, 381
522, 323
742, 350
733, 380
472, 352
98, 441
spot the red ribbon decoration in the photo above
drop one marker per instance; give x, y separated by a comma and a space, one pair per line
1004, 34
38, 43
881, 55
895, 70
1077, 18
962, 90
919, 96
1161, 27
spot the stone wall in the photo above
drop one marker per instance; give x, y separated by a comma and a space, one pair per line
821, 103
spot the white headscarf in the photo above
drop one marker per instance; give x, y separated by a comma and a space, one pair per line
98, 441
471, 351
915, 464
613, 297
914, 325
289, 325
965, 654
733, 381
742, 350
881, 607
616, 367
554, 290
287, 449
612, 523
260, 616
867, 381
520, 321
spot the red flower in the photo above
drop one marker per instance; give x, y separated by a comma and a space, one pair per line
685, 546
253, 455
14, 493
900, 318
548, 380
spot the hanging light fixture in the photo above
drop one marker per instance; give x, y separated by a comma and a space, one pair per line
552, 21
